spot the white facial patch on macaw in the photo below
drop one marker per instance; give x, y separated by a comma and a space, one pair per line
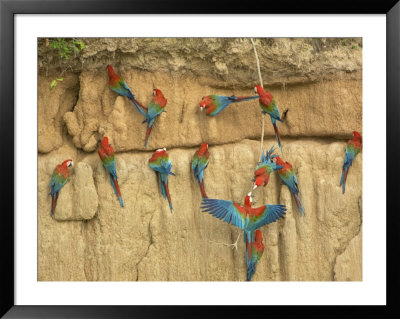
255, 90
251, 200
70, 163
161, 150
154, 92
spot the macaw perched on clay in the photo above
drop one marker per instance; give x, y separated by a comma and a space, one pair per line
199, 164
264, 168
216, 103
58, 180
244, 217
269, 106
353, 147
288, 176
107, 156
254, 252
156, 107
161, 163
118, 85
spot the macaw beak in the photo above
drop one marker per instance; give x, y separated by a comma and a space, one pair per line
255, 186
201, 108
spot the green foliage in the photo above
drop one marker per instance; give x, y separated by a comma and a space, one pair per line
54, 82
66, 47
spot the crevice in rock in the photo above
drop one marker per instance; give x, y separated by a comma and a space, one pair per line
182, 114
85, 238
147, 250
320, 140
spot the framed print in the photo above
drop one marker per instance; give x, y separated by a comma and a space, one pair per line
180, 159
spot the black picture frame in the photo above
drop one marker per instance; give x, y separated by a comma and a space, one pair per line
9, 8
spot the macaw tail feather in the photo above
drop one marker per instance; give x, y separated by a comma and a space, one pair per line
248, 240
161, 185
243, 98
139, 106
202, 189
168, 195
343, 179
147, 136
277, 135
53, 203
165, 190
299, 204
114, 184
251, 269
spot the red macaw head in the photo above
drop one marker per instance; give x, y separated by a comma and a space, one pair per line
203, 148
278, 161
356, 135
158, 153
110, 70
160, 150
257, 182
258, 89
248, 200
205, 102
157, 92
159, 97
104, 142
263, 93
67, 163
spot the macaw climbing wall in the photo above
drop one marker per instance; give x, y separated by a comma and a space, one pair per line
92, 238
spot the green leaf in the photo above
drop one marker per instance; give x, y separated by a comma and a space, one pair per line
54, 44
60, 79
53, 84
80, 43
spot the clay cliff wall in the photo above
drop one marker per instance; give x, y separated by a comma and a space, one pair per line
91, 237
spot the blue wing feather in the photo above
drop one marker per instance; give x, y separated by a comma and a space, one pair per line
152, 112
223, 210
127, 90
56, 184
111, 168
290, 181
266, 215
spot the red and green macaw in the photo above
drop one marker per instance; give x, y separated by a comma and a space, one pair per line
264, 168
216, 103
289, 178
107, 156
199, 164
245, 217
353, 147
118, 85
58, 180
254, 252
161, 163
156, 107
269, 106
